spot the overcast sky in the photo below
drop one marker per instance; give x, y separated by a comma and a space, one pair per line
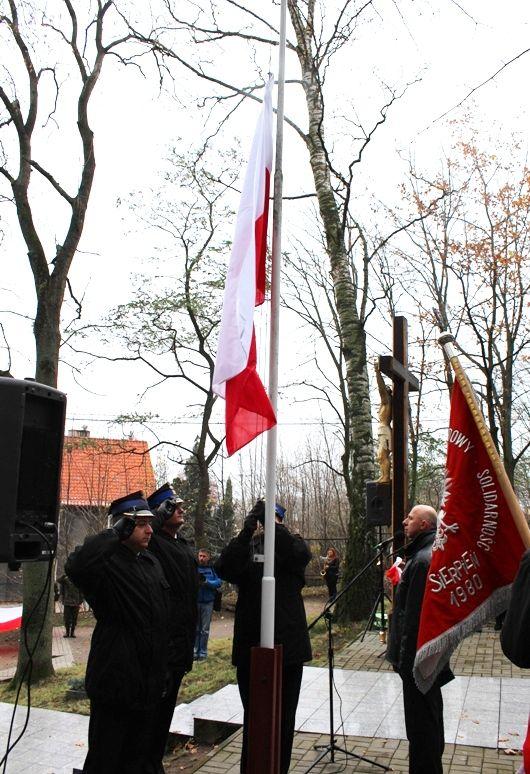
442, 49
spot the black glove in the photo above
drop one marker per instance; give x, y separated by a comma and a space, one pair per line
258, 511
166, 509
164, 512
124, 527
256, 514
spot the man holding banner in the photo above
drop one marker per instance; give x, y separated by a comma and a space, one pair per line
481, 534
460, 568
423, 712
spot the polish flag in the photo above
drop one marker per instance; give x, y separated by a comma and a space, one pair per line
476, 551
10, 618
394, 573
248, 411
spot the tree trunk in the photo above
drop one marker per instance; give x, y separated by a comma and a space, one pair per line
50, 276
203, 495
37, 620
358, 601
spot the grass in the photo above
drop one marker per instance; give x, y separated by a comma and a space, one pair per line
210, 675
51, 693
207, 676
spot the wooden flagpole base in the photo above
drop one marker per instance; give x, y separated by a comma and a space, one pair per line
265, 702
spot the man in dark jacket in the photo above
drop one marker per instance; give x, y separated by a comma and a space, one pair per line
423, 712
180, 568
236, 565
126, 674
515, 635
209, 584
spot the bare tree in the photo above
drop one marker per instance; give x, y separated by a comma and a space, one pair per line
33, 40
170, 325
472, 263
320, 33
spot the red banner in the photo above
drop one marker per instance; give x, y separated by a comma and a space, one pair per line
476, 552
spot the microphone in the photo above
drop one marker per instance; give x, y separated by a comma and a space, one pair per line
384, 543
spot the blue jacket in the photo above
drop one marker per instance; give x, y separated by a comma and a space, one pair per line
210, 585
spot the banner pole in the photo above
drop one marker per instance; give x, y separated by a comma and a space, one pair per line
446, 340
268, 583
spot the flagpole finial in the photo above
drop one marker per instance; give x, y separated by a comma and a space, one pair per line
447, 340
446, 337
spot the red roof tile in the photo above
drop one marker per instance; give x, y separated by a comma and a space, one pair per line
96, 471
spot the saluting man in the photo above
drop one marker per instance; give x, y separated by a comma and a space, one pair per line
126, 675
180, 568
236, 565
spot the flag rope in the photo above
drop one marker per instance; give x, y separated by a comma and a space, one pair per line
268, 583
447, 342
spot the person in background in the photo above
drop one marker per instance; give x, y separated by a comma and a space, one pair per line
423, 712
71, 599
180, 569
127, 669
331, 572
515, 635
209, 582
236, 565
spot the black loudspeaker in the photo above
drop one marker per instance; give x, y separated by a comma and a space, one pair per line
32, 418
378, 504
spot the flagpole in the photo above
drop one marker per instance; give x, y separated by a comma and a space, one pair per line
446, 340
268, 583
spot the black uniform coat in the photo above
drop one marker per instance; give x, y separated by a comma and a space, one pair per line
515, 635
405, 623
127, 664
236, 565
180, 568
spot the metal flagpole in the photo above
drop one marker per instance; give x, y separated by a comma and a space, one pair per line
447, 342
264, 711
267, 589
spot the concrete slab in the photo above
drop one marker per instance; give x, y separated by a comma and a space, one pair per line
53, 741
478, 710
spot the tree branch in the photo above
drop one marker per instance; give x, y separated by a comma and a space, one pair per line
50, 178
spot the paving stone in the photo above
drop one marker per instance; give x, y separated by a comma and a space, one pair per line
368, 686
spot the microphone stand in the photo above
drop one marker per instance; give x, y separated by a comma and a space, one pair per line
380, 599
332, 747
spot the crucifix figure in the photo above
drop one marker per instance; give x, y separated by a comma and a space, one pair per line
395, 366
384, 429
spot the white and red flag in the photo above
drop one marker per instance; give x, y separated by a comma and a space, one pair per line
395, 572
476, 551
10, 618
248, 411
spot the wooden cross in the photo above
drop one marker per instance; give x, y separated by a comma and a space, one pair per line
395, 366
